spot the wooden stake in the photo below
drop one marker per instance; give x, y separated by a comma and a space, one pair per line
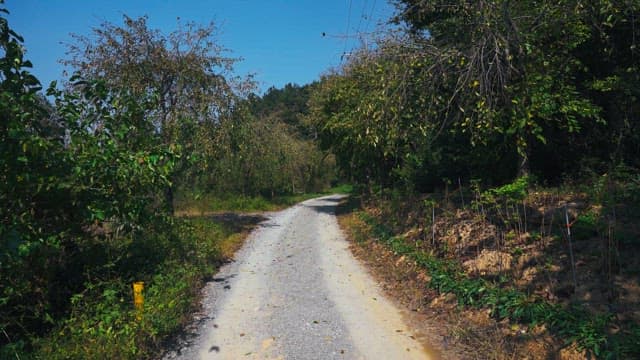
461, 195
573, 267
433, 225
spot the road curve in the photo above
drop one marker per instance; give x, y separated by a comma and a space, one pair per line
296, 292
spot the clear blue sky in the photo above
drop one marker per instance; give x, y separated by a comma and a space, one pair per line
280, 40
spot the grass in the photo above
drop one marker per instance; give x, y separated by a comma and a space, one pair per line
198, 205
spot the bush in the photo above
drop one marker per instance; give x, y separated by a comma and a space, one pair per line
102, 321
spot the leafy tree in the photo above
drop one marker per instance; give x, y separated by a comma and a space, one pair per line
385, 115
514, 64
268, 148
28, 165
613, 79
185, 71
289, 104
473, 86
81, 177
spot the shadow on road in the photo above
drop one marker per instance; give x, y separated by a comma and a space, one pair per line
237, 221
329, 205
325, 209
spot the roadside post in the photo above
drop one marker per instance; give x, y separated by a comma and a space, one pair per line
138, 298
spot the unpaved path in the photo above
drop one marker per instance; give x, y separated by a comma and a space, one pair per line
296, 292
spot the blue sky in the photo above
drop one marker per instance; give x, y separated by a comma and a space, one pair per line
280, 41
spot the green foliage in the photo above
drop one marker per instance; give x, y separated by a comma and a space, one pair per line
32, 170
208, 203
169, 301
513, 192
186, 82
515, 73
213, 203
504, 92
266, 150
84, 215
487, 89
341, 189
508, 194
586, 226
101, 324
288, 104
102, 319
503, 205
378, 120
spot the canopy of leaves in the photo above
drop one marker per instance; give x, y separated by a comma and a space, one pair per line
186, 69
88, 180
184, 75
515, 86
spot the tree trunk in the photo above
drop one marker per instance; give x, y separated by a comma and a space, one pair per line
523, 163
523, 147
168, 198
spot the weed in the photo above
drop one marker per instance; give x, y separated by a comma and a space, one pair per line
586, 226
517, 252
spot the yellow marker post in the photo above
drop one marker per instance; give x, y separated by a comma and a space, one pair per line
138, 298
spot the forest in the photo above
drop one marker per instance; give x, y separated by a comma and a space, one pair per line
513, 116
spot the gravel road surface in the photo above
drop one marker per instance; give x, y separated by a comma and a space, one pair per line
296, 292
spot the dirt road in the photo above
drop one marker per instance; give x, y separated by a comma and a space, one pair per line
296, 292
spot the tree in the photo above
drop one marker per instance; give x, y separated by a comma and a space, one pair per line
514, 64
289, 104
491, 84
613, 79
186, 71
385, 115
268, 148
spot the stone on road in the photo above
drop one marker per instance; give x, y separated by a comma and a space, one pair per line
296, 292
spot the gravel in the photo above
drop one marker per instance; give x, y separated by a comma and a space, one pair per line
296, 292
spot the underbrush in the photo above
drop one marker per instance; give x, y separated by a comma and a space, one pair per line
450, 234
202, 204
573, 323
102, 322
